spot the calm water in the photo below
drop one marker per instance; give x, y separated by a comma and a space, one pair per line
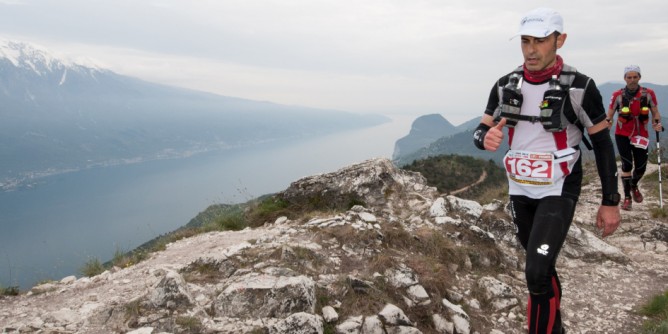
50, 231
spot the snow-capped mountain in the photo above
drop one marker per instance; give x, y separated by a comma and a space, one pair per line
62, 115
39, 59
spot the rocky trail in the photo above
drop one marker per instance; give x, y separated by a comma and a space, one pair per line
604, 281
603, 297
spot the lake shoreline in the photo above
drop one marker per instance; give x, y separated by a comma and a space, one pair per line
50, 231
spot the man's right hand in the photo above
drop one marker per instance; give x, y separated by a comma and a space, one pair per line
494, 136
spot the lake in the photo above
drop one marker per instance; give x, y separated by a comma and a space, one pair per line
50, 231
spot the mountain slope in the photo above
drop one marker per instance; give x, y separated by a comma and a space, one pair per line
61, 116
424, 130
461, 141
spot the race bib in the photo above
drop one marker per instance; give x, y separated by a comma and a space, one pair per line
529, 168
640, 142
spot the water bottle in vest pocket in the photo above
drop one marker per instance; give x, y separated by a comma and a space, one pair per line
511, 100
552, 108
624, 115
644, 114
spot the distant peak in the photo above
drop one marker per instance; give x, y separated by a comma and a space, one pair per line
432, 116
38, 58
433, 121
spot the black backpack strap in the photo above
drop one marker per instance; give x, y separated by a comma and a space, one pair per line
566, 79
645, 99
584, 138
579, 124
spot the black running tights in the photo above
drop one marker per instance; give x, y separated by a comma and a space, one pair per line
542, 227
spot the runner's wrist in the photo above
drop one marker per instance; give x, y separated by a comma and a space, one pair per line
610, 199
479, 135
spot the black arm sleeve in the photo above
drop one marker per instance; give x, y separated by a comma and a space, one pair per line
492, 103
479, 135
605, 163
593, 103
493, 100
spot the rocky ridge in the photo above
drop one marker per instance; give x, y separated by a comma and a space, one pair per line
402, 259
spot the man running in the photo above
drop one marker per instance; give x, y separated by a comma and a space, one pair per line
633, 104
546, 105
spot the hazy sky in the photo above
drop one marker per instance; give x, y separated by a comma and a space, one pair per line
387, 56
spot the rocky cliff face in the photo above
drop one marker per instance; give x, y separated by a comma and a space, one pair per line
399, 258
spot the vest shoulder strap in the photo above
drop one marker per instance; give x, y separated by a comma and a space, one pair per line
566, 79
567, 76
621, 98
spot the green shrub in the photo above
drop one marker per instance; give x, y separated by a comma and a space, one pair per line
658, 212
234, 222
9, 291
266, 210
92, 267
271, 205
122, 259
657, 312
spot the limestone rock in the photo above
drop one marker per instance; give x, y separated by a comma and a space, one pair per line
298, 323
403, 259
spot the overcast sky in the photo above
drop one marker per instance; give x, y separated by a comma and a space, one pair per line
385, 56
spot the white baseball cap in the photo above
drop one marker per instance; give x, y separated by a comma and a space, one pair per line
632, 68
540, 23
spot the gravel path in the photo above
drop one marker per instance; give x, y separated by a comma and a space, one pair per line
604, 298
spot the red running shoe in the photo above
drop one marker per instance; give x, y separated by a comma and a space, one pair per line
637, 196
627, 204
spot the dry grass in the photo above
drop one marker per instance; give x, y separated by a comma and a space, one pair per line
189, 324
659, 213
434, 276
432, 254
302, 260
369, 300
397, 237
210, 271
202, 271
383, 261
489, 195
650, 186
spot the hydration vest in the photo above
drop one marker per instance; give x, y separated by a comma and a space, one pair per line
552, 119
623, 105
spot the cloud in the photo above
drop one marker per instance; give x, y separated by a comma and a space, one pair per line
419, 56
